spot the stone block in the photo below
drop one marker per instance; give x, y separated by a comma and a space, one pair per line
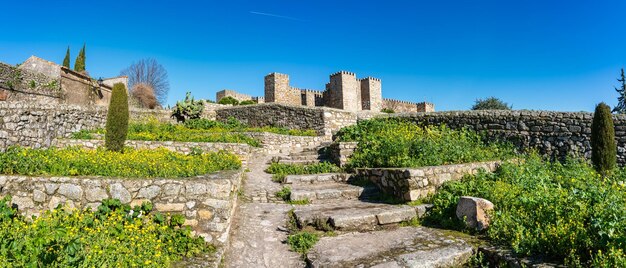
205, 214
118, 191
170, 207
95, 194
474, 211
71, 191
149, 192
396, 215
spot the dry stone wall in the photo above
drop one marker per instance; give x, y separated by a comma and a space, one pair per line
410, 184
207, 201
556, 134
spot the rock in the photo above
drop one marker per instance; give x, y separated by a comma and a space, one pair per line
474, 211
71, 191
39, 196
149, 192
119, 192
95, 194
175, 207
22, 202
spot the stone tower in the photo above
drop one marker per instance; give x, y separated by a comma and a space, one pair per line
371, 94
277, 90
345, 91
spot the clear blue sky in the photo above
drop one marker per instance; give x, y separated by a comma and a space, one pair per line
543, 55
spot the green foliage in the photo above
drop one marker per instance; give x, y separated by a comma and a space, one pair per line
117, 119
603, 146
144, 163
491, 103
66, 60
388, 110
281, 170
79, 64
284, 193
188, 109
621, 100
393, 142
32, 84
82, 134
247, 102
112, 236
302, 242
228, 100
564, 210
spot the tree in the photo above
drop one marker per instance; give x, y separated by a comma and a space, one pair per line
149, 72
66, 60
79, 64
621, 100
117, 119
228, 100
491, 103
603, 146
144, 95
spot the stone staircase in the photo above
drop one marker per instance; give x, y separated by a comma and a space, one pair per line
308, 156
369, 232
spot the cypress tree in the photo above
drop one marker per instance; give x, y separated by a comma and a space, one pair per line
117, 119
621, 100
66, 60
79, 65
603, 146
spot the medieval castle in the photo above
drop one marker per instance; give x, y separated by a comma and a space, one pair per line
344, 91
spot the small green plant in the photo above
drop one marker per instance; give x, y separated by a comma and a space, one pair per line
284, 193
188, 109
33, 84
117, 119
491, 103
388, 110
247, 102
228, 100
82, 134
603, 146
302, 242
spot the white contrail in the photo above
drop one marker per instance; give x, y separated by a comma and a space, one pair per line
274, 15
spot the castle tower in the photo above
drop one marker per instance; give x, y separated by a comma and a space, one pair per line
277, 90
345, 91
371, 94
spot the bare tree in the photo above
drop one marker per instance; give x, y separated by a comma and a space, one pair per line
144, 95
151, 73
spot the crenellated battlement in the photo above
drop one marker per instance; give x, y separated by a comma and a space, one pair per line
343, 72
370, 78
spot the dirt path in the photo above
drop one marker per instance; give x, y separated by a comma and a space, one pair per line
256, 240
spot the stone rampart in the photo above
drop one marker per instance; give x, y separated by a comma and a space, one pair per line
410, 184
206, 201
555, 134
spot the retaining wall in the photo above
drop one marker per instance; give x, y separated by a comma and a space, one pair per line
410, 184
207, 202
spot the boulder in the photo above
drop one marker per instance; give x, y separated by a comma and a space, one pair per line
474, 211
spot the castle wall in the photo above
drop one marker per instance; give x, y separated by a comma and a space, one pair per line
425, 107
312, 98
371, 94
277, 90
231, 93
345, 92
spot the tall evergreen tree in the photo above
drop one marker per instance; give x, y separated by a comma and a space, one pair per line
117, 119
621, 100
66, 60
79, 65
603, 146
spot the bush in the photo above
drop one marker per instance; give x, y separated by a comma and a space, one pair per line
117, 119
562, 210
491, 103
388, 110
144, 94
603, 146
228, 100
247, 102
111, 236
394, 142
281, 170
188, 109
302, 242
144, 163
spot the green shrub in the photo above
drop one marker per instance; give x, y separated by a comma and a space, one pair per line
603, 146
144, 163
111, 236
302, 242
491, 103
188, 109
388, 110
284, 193
82, 134
281, 170
394, 142
80, 62
117, 119
228, 100
247, 102
66, 60
562, 210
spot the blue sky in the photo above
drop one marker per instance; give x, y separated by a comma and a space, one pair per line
542, 55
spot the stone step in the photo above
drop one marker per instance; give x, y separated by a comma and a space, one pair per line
327, 191
401, 247
316, 178
302, 157
299, 162
353, 215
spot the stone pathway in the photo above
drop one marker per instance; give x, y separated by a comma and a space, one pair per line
256, 240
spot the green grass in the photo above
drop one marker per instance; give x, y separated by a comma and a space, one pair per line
302, 241
395, 142
563, 210
285, 195
280, 171
142, 163
111, 236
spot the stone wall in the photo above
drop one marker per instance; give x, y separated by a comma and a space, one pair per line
334, 120
407, 106
210, 109
340, 152
278, 90
273, 143
207, 201
555, 134
23, 85
410, 184
231, 93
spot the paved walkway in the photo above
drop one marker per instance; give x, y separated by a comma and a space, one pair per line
256, 240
